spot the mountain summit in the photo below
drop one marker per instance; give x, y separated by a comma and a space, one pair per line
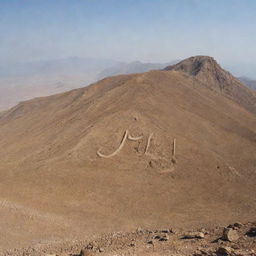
195, 65
210, 73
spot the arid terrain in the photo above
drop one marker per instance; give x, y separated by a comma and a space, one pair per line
237, 239
172, 148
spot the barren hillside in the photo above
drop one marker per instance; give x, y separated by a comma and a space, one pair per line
154, 149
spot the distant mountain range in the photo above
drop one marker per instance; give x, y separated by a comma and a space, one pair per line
248, 81
24, 81
56, 66
132, 67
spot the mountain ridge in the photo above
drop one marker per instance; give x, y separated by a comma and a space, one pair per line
132, 67
207, 70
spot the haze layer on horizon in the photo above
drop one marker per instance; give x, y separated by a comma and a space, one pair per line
127, 30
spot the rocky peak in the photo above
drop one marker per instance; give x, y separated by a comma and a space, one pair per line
212, 75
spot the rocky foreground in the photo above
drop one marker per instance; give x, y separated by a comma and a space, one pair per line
236, 239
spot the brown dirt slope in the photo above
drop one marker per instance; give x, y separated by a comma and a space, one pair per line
55, 186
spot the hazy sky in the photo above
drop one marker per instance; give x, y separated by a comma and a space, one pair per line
146, 30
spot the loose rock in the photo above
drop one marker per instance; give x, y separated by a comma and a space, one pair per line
101, 250
165, 237
192, 235
86, 252
230, 235
166, 231
139, 230
252, 232
132, 244
236, 225
150, 242
224, 251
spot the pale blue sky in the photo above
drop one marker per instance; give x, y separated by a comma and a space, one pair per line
146, 30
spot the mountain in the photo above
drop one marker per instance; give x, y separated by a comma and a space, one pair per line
164, 148
207, 70
23, 81
53, 66
248, 81
132, 67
